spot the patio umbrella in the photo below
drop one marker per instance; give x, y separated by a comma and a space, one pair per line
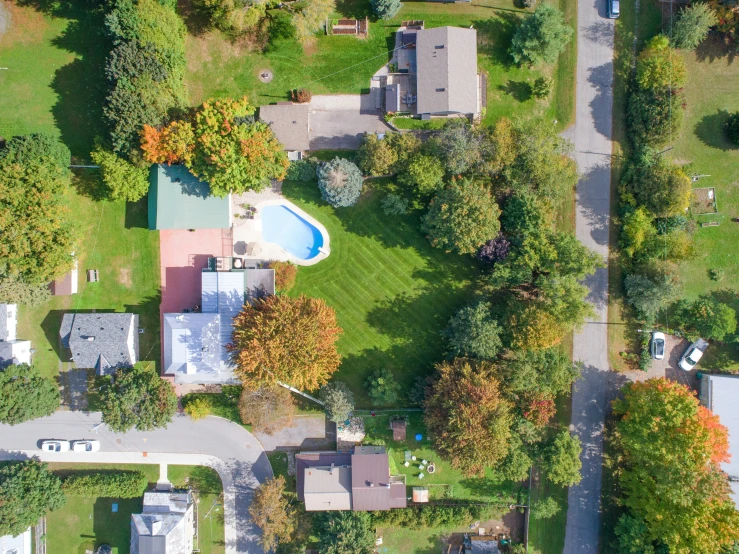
254, 249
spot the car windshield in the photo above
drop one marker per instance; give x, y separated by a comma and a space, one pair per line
615, 8
692, 358
659, 345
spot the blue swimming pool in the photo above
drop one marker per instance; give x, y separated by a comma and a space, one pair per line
283, 226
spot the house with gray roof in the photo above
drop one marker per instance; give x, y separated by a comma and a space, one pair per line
290, 122
165, 526
436, 72
195, 344
360, 481
101, 341
12, 350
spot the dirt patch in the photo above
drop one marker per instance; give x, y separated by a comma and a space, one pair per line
124, 276
310, 48
704, 201
24, 25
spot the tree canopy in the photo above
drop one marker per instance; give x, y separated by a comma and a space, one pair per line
692, 26
28, 491
670, 482
124, 180
386, 9
14, 290
287, 340
467, 416
345, 532
708, 317
562, 459
661, 187
340, 182
541, 37
338, 401
37, 235
462, 217
659, 66
272, 513
267, 409
473, 332
26, 394
650, 293
137, 397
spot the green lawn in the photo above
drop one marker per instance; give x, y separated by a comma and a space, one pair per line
393, 293
86, 522
55, 81
115, 241
342, 64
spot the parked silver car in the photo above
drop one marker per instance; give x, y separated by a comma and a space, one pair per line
85, 446
55, 446
614, 9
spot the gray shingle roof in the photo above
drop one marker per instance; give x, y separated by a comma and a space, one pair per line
289, 123
446, 59
101, 341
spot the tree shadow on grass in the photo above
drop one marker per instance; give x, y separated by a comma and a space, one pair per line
715, 47
356, 9
519, 90
494, 36
710, 130
81, 84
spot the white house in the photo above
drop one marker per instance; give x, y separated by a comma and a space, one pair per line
12, 350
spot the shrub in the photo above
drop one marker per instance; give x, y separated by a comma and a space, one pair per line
542, 87
268, 409
386, 9
431, 516
394, 204
654, 116
529, 3
109, 484
340, 182
301, 95
495, 250
659, 66
716, 274
731, 128
198, 408
301, 170
285, 275
541, 37
382, 387
26, 394
645, 356
423, 174
707, 317
124, 180
474, 333
338, 401
545, 508
376, 156
651, 293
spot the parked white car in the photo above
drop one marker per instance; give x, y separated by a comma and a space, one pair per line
658, 345
85, 446
55, 446
693, 355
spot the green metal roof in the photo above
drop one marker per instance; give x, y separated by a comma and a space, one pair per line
179, 200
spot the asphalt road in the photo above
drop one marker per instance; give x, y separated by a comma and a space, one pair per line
228, 448
592, 138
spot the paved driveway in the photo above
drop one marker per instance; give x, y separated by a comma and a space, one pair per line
339, 121
231, 450
592, 137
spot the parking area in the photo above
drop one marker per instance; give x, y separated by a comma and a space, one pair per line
339, 121
675, 347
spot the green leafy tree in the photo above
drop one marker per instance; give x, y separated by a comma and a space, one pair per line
272, 512
124, 180
345, 532
561, 459
541, 37
423, 175
106, 483
37, 234
288, 340
692, 26
338, 401
545, 508
457, 146
542, 87
651, 293
394, 204
661, 187
233, 17
268, 409
541, 372
708, 317
26, 394
312, 18
468, 417
375, 156
382, 387
473, 332
13, 290
462, 217
637, 233
28, 491
654, 116
633, 536
385, 9
340, 182
137, 397
659, 66
669, 449
234, 153
731, 128
196, 407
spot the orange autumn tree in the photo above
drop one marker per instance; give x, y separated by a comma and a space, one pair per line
174, 143
286, 340
671, 484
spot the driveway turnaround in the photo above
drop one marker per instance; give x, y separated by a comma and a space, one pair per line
592, 139
214, 442
340, 121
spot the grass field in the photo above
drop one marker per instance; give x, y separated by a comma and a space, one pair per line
393, 293
115, 241
86, 522
342, 64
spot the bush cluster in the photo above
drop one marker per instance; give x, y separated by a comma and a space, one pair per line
430, 516
109, 484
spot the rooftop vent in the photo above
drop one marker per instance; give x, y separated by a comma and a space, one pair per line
439, 47
89, 339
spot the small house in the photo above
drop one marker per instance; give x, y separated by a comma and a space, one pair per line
101, 341
165, 526
12, 350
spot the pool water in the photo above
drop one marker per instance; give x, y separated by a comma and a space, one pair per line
284, 227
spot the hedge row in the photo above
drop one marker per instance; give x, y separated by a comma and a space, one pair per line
118, 484
433, 515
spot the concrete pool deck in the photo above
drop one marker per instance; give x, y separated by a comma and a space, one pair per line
248, 232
